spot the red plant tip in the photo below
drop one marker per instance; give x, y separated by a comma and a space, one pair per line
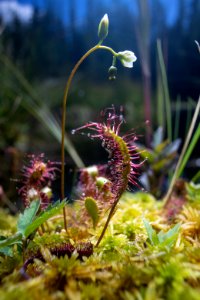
122, 166
39, 172
36, 179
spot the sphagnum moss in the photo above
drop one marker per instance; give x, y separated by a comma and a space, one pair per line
124, 264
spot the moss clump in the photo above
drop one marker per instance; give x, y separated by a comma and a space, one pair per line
132, 262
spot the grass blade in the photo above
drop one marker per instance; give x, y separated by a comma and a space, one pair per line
36, 110
186, 151
190, 148
165, 90
177, 117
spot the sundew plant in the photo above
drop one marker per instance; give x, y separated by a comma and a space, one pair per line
115, 240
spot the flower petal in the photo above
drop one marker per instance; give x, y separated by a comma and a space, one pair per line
127, 58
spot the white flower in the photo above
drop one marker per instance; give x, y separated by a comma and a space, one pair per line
127, 58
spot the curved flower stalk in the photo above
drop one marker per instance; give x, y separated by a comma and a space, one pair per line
122, 168
37, 179
125, 57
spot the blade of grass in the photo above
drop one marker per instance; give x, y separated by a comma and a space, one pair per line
190, 148
47, 119
186, 151
189, 115
43, 115
177, 117
165, 90
196, 177
160, 99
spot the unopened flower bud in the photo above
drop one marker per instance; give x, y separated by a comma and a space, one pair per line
92, 171
112, 72
32, 195
101, 181
103, 27
47, 191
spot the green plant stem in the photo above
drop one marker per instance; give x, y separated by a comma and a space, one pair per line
106, 224
65, 97
184, 156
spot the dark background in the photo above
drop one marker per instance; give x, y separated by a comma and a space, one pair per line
40, 42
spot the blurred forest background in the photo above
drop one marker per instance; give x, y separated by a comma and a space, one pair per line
39, 48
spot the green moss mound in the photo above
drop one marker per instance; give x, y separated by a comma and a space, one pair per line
143, 255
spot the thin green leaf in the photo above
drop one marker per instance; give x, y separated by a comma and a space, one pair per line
43, 115
92, 209
36, 109
190, 148
159, 148
186, 151
172, 147
168, 238
196, 177
177, 117
14, 239
165, 90
151, 233
160, 98
157, 137
7, 251
44, 216
27, 217
189, 109
162, 239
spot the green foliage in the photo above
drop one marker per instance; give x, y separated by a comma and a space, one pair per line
28, 223
190, 147
160, 162
193, 192
5, 250
34, 106
12, 240
27, 217
162, 239
125, 266
165, 91
92, 209
51, 210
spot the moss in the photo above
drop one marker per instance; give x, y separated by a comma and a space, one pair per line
7, 222
125, 265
